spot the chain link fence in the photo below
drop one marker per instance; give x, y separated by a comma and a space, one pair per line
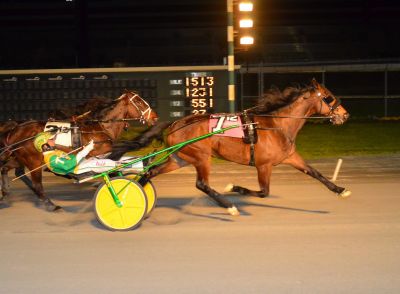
366, 90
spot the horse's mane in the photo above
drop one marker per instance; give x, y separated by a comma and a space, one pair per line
143, 140
100, 113
94, 105
275, 99
102, 108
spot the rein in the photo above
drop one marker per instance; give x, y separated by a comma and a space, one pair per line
111, 120
186, 125
292, 116
16, 143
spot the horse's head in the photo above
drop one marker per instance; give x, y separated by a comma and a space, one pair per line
328, 104
137, 107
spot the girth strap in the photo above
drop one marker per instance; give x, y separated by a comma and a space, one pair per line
76, 136
250, 135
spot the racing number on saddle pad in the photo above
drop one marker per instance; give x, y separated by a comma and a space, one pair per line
217, 122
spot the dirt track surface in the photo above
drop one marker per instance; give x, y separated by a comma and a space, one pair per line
300, 240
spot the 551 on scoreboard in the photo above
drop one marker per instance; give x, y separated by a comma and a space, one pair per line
199, 92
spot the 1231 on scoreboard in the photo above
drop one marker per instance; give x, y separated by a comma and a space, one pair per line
199, 92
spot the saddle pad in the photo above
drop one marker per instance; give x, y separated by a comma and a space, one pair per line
63, 134
219, 121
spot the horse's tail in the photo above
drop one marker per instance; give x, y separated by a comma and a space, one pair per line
143, 140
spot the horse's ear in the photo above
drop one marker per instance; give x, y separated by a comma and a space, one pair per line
121, 97
314, 83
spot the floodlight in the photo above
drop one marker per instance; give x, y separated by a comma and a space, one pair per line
246, 6
246, 23
246, 40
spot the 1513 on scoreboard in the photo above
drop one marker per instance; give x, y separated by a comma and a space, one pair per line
199, 92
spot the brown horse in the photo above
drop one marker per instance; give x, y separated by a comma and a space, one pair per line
277, 131
106, 126
85, 111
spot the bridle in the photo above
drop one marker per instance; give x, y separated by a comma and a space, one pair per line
328, 100
144, 114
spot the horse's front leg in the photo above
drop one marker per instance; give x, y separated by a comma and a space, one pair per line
38, 189
264, 175
298, 162
20, 172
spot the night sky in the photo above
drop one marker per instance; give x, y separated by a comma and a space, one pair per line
84, 33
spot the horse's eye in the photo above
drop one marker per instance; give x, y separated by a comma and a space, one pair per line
328, 99
319, 94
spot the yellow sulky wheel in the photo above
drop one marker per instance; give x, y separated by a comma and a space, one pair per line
133, 209
151, 197
151, 194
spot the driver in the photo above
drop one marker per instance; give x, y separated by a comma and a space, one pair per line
62, 163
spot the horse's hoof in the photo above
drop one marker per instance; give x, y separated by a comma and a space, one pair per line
228, 188
51, 207
4, 195
57, 208
4, 202
233, 211
344, 194
262, 195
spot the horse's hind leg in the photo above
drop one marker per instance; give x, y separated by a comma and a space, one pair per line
297, 162
203, 171
38, 189
173, 163
264, 175
19, 172
5, 181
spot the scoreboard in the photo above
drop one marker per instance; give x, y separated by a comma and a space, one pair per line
173, 92
199, 89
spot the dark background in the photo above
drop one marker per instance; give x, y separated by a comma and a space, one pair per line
84, 33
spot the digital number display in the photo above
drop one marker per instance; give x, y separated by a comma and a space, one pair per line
199, 91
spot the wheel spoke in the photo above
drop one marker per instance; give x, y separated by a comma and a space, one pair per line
122, 215
108, 212
133, 207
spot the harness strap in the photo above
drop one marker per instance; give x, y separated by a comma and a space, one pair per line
251, 135
76, 136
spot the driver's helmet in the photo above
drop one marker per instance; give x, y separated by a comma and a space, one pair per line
42, 139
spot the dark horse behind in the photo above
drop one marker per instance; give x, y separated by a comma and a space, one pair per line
279, 116
107, 126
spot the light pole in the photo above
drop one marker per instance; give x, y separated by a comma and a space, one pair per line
245, 7
231, 58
